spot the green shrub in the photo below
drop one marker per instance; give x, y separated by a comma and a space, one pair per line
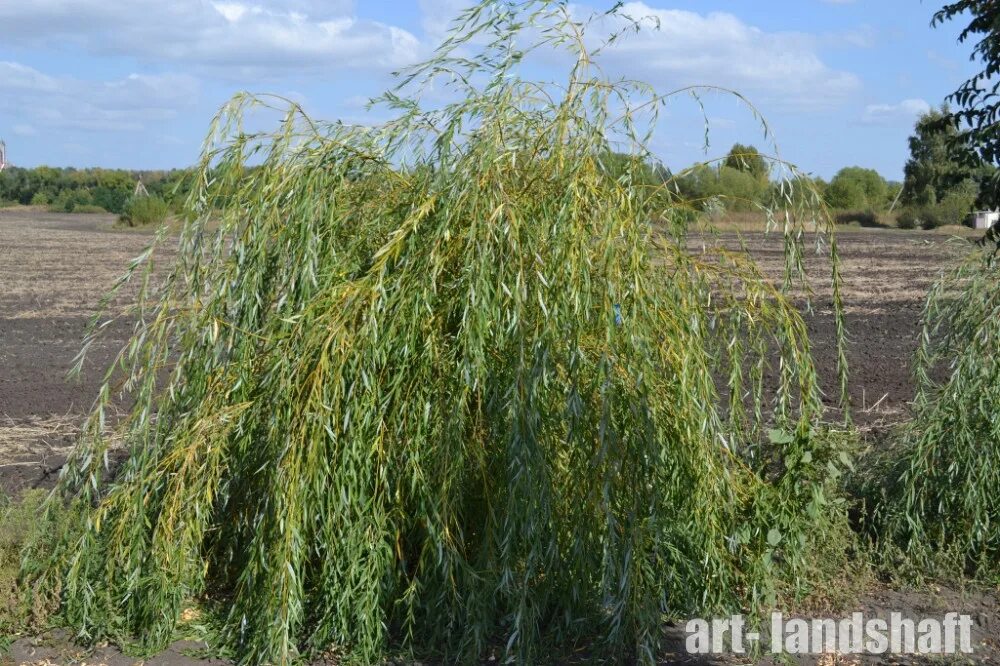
440, 385
68, 200
62, 203
737, 190
144, 211
40, 199
953, 209
113, 198
842, 193
88, 209
939, 506
932, 217
908, 218
864, 218
22, 523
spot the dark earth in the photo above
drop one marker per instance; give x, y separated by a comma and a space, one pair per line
55, 268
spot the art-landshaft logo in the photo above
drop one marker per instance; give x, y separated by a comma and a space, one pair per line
857, 634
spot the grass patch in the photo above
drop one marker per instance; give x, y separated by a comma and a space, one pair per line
758, 220
145, 211
89, 209
861, 218
23, 522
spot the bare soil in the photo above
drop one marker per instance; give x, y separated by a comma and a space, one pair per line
55, 268
885, 276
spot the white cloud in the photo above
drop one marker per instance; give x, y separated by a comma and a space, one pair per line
862, 37
241, 40
439, 14
893, 114
131, 103
231, 11
782, 68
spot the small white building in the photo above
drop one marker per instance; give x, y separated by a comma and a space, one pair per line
984, 219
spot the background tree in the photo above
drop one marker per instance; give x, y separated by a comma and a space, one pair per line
748, 160
857, 188
113, 190
736, 189
943, 163
977, 99
65, 190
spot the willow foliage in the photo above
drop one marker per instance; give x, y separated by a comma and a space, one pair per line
440, 385
942, 506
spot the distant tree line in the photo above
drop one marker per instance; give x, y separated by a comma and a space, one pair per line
742, 181
946, 178
88, 190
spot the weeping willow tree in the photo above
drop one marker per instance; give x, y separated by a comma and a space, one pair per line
942, 508
440, 385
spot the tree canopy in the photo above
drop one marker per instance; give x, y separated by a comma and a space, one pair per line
66, 189
977, 98
856, 188
748, 160
942, 162
733, 188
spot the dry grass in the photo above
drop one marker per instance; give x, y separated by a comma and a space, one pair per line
56, 266
33, 440
756, 221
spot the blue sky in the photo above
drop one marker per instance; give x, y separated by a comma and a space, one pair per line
134, 83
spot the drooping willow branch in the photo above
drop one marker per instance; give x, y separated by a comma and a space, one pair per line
451, 382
